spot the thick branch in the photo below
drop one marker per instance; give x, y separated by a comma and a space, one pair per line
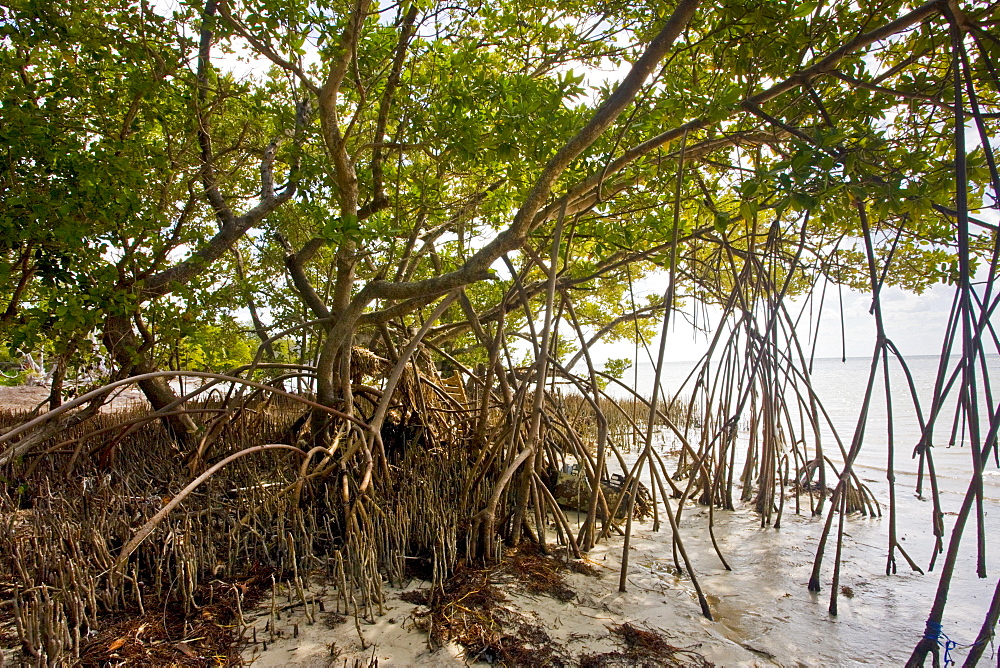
231, 227
477, 267
295, 264
208, 178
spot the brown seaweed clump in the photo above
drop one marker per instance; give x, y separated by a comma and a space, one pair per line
470, 610
539, 573
642, 648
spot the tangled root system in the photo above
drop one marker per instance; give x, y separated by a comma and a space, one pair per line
166, 635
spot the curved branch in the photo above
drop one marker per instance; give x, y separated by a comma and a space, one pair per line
525, 220
155, 520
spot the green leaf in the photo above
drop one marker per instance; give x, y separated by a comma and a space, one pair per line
805, 9
721, 222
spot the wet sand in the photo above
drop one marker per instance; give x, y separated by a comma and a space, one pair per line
764, 614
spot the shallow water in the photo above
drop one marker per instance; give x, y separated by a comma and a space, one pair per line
763, 603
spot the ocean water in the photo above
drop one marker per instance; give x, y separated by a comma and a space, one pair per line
763, 603
840, 386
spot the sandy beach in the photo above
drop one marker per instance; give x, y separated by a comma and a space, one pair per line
577, 629
764, 614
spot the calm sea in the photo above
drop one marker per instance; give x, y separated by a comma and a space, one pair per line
840, 386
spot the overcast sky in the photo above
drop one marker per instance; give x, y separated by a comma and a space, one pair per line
915, 323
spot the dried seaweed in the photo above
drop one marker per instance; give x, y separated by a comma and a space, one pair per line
539, 573
642, 648
470, 611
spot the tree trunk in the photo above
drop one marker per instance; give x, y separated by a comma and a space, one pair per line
56, 385
121, 343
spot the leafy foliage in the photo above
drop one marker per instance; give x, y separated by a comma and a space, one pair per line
414, 134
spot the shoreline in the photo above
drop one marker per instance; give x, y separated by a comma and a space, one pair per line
577, 630
764, 614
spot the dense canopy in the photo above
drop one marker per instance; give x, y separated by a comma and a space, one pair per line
169, 166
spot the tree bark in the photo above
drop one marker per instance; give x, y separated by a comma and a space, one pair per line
121, 343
